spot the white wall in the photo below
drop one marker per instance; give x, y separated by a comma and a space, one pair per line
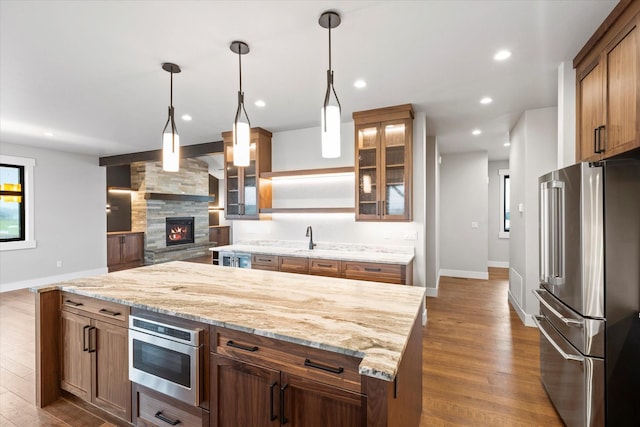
498, 247
70, 220
566, 114
432, 220
533, 153
300, 149
463, 201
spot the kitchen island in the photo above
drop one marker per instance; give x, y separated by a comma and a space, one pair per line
373, 324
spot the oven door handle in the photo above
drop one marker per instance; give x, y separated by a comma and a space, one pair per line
565, 320
159, 415
565, 356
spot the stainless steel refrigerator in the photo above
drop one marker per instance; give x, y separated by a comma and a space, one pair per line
589, 292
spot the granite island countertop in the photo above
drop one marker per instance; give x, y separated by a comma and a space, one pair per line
359, 318
385, 254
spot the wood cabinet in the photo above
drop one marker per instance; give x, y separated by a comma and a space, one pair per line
384, 163
265, 262
292, 264
608, 87
325, 267
125, 250
378, 272
94, 345
158, 410
246, 192
260, 381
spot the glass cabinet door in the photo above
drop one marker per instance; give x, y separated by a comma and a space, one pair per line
232, 183
368, 140
394, 171
250, 206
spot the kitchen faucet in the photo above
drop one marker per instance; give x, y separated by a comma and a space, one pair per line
310, 236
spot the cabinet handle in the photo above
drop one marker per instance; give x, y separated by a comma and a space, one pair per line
325, 265
73, 303
169, 421
92, 348
272, 416
85, 347
242, 347
283, 419
372, 270
600, 129
595, 140
109, 312
263, 260
331, 369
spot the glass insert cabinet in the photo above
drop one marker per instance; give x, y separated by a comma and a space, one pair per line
384, 158
245, 192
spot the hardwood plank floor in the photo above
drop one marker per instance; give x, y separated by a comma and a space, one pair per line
481, 364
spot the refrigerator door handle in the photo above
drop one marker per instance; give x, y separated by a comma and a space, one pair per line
556, 235
566, 356
565, 320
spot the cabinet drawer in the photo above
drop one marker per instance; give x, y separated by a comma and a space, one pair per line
324, 267
264, 262
388, 273
331, 368
106, 311
160, 411
293, 264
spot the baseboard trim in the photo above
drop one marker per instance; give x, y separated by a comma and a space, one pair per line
481, 275
526, 319
48, 280
498, 264
431, 292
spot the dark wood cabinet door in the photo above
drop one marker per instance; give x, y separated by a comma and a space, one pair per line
111, 388
243, 394
309, 403
114, 251
591, 114
132, 247
76, 360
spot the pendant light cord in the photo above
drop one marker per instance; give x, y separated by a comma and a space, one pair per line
240, 66
330, 43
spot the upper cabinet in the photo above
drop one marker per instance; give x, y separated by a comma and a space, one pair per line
608, 87
247, 193
383, 163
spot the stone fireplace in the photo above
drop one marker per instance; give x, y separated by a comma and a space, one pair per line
161, 198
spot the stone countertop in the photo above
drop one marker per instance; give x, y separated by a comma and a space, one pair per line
358, 318
339, 251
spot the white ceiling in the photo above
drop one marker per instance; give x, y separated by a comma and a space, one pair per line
90, 71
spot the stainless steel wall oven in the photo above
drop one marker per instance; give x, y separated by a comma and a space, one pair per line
166, 358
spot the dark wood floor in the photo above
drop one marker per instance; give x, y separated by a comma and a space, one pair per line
480, 363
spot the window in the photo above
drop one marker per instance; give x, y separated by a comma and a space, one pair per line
505, 214
16, 203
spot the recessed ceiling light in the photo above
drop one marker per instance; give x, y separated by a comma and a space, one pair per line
476, 132
187, 118
360, 84
48, 133
502, 55
507, 144
260, 103
486, 100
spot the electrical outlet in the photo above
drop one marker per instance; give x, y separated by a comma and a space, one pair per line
411, 235
59, 264
474, 224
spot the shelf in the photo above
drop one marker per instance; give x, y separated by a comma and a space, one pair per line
307, 210
304, 172
367, 167
395, 165
368, 202
178, 197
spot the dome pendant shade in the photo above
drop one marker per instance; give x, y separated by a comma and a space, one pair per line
170, 137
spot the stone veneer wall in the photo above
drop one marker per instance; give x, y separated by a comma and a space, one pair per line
149, 215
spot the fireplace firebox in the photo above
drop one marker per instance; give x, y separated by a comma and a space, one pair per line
179, 230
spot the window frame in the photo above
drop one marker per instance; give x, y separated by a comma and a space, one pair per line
504, 175
27, 166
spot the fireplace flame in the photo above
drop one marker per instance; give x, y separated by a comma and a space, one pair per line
177, 232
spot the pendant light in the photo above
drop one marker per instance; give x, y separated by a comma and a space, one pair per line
241, 125
170, 137
330, 120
